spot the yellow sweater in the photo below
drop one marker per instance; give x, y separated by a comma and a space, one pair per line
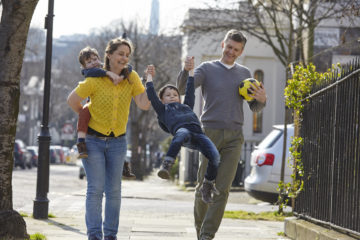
109, 104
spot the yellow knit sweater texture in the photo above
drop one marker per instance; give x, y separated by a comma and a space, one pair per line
109, 104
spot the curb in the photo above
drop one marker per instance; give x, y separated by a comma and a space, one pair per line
300, 229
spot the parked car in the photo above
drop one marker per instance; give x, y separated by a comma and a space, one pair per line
66, 151
262, 183
74, 154
60, 153
22, 157
33, 150
54, 158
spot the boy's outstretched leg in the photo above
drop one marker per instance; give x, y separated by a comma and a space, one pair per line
165, 168
182, 135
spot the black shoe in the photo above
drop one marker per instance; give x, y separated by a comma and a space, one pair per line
165, 168
205, 237
110, 238
127, 174
81, 146
91, 237
207, 190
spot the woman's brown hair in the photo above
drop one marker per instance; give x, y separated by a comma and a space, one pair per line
111, 47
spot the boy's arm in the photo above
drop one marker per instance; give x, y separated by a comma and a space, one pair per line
190, 90
154, 99
93, 72
99, 72
190, 93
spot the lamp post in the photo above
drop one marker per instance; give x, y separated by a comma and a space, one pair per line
41, 202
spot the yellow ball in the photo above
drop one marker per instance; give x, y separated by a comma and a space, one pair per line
244, 88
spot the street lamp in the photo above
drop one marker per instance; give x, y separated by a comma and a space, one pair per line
41, 202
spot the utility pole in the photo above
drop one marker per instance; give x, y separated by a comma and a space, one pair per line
41, 202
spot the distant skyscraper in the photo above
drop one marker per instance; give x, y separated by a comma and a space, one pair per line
154, 17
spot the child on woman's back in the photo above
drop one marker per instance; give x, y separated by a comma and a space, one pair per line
92, 67
180, 120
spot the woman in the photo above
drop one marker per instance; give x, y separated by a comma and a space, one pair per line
106, 142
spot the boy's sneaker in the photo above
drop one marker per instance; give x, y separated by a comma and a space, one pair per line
127, 174
207, 190
81, 146
165, 168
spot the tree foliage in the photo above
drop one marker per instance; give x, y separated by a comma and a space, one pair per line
286, 25
297, 91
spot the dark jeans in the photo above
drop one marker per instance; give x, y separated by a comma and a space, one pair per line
196, 141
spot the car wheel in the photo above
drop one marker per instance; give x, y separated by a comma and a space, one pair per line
29, 165
22, 165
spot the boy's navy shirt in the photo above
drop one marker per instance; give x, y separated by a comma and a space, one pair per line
172, 116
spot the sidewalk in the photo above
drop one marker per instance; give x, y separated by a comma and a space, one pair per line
154, 209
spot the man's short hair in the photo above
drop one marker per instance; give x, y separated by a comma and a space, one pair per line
86, 53
236, 36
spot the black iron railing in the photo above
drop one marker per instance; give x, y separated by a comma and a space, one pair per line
331, 153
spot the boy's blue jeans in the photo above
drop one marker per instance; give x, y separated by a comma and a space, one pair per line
103, 170
196, 141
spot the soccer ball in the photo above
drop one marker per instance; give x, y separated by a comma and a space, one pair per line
244, 88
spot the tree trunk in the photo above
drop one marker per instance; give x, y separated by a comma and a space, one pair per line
310, 41
14, 26
136, 157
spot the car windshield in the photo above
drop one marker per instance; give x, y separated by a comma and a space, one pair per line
270, 139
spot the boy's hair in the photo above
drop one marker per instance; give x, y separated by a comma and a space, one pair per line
86, 53
162, 90
236, 36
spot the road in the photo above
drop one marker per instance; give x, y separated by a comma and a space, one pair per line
144, 202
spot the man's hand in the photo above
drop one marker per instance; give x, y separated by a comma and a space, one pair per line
189, 63
258, 93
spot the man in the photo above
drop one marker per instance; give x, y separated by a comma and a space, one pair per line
222, 120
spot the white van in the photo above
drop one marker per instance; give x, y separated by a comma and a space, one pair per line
262, 183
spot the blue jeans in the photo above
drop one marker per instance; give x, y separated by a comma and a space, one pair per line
103, 169
196, 141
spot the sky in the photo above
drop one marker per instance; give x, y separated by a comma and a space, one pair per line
81, 16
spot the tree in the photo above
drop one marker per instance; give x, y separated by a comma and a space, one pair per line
14, 26
286, 26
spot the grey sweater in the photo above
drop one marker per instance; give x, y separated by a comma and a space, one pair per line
223, 107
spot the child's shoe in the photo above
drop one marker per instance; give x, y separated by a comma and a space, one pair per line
207, 190
127, 174
81, 146
165, 168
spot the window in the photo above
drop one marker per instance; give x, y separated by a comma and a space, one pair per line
258, 116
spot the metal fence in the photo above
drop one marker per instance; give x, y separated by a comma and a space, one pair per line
331, 153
